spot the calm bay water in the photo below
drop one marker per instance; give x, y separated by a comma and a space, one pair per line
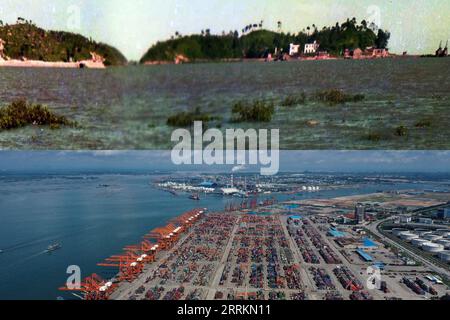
127, 108
90, 222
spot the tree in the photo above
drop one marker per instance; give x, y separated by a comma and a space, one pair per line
382, 39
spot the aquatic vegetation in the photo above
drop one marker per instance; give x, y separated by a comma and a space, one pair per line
256, 111
401, 131
375, 136
424, 123
335, 96
293, 100
186, 119
20, 114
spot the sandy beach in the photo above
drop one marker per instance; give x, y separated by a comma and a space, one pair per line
46, 64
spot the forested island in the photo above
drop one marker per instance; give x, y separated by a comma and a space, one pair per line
256, 42
24, 40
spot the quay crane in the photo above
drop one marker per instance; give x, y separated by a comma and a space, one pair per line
93, 288
169, 235
130, 266
145, 250
131, 263
187, 219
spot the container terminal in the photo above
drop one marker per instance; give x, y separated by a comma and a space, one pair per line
363, 247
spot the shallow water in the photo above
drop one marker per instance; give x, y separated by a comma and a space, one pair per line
127, 108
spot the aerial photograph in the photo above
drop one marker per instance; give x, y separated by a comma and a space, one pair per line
115, 75
368, 225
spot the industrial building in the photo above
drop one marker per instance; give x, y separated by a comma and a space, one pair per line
360, 213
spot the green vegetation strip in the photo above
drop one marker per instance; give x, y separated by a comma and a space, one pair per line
256, 111
20, 114
186, 119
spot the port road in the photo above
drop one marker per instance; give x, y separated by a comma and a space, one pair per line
374, 228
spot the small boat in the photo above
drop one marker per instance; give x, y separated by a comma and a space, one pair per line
53, 247
1, 251
195, 197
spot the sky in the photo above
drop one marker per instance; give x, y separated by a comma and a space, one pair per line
134, 25
290, 161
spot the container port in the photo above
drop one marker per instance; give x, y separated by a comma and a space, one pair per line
271, 251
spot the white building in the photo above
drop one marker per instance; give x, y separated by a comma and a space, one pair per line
311, 47
294, 49
405, 219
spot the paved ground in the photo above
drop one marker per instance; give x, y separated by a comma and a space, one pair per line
230, 256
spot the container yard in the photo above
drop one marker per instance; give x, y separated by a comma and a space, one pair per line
265, 254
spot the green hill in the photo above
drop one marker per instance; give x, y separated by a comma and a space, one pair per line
256, 44
25, 39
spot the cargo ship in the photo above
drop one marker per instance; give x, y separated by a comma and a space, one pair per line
53, 247
195, 197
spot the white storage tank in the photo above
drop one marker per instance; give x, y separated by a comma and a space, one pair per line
418, 242
444, 242
407, 236
432, 237
397, 231
432, 247
445, 256
422, 232
443, 232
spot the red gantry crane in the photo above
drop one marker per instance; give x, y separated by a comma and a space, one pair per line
130, 266
93, 288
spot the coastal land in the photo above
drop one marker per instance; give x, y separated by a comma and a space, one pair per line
24, 44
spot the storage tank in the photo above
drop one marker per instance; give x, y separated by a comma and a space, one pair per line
407, 236
443, 232
432, 247
418, 242
444, 242
422, 232
432, 237
445, 256
397, 231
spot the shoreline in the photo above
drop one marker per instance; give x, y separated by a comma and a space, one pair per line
14, 63
302, 59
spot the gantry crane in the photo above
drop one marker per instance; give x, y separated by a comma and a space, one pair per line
93, 288
146, 251
130, 266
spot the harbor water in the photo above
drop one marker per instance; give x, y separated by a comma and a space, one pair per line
128, 107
